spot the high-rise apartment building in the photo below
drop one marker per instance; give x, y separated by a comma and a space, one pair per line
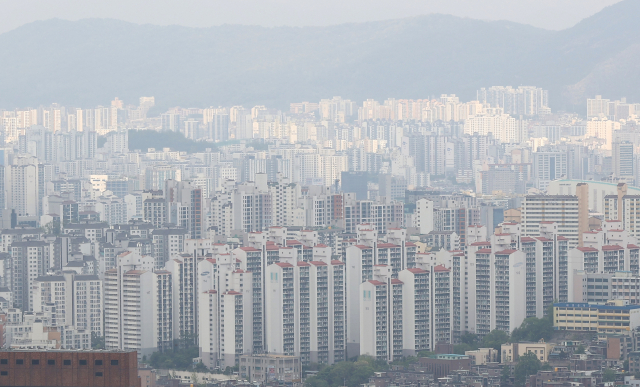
381, 319
498, 289
23, 182
77, 299
29, 261
225, 315
185, 207
549, 166
525, 100
602, 129
623, 160
597, 107
170, 122
564, 210
305, 309
138, 308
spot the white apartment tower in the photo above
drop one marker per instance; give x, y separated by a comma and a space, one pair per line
381, 315
225, 327
77, 299
225, 310
497, 289
29, 260
137, 306
416, 311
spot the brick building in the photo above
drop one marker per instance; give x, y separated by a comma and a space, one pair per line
442, 365
69, 368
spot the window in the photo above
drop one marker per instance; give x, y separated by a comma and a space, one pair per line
114, 362
19, 361
4, 361
35, 361
98, 362
51, 362
66, 362
83, 362
4, 373
98, 373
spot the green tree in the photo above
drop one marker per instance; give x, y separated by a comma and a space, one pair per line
349, 373
549, 311
579, 350
314, 366
495, 339
97, 342
195, 379
231, 370
180, 358
316, 381
505, 376
533, 329
405, 362
377, 365
469, 338
625, 365
468, 342
609, 375
528, 365
143, 139
200, 367
460, 349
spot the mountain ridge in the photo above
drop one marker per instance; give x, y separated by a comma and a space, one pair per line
90, 61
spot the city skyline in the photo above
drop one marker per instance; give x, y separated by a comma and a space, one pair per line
428, 200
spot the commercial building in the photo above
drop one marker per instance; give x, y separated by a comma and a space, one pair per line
612, 317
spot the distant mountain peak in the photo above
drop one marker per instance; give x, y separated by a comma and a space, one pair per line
87, 62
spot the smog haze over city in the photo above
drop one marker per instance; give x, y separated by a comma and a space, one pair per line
283, 193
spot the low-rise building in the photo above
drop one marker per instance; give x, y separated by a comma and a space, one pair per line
511, 352
482, 356
444, 364
268, 368
147, 377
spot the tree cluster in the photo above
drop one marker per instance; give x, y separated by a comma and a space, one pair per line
471, 342
97, 342
347, 373
178, 359
528, 364
532, 329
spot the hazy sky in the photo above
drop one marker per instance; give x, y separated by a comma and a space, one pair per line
552, 14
